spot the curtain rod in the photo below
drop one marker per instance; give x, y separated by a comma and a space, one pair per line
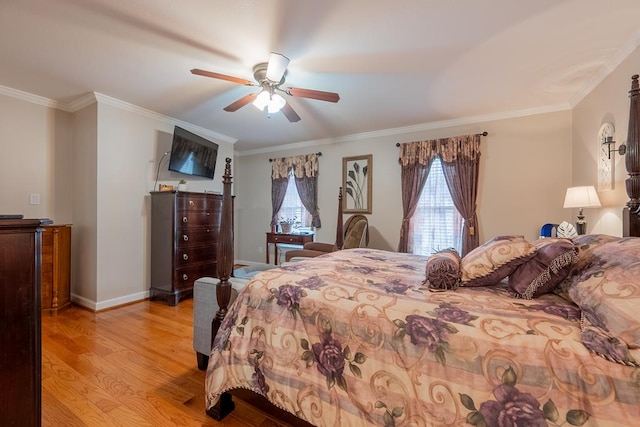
485, 133
317, 154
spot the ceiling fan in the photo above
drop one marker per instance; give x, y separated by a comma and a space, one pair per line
270, 76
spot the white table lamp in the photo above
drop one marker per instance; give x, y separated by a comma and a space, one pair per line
581, 197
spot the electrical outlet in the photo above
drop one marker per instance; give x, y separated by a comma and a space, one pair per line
34, 199
259, 249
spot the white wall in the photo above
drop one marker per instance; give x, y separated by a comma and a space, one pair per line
608, 102
130, 143
524, 171
84, 243
36, 147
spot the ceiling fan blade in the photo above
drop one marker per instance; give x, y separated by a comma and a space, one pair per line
234, 106
289, 113
313, 94
211, 74
277, 66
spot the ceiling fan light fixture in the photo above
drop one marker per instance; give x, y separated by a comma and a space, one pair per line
276, 103
277, 66
262, 100
273, 102
269, 77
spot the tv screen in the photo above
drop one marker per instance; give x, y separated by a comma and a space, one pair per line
192, 155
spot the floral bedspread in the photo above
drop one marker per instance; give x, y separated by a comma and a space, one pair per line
354, 338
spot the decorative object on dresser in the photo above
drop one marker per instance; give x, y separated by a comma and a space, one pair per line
20, 342
565, 229
56, 267
184, 237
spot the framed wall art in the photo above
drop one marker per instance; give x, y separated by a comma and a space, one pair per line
356, 183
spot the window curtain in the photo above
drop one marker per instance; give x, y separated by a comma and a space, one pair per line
413, 177
460, 162
305, 171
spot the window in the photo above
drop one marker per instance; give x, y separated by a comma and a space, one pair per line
292, 206
436, 224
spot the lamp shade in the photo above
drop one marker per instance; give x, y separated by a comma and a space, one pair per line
273, 102
276, 103
582, 197
262, 100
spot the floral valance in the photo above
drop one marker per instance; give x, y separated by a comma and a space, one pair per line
448, 149
301, 166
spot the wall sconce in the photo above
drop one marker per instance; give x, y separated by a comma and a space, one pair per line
608, 141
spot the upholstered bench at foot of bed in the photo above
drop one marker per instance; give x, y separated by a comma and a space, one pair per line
205, 307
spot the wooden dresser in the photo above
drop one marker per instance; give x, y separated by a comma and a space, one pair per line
184, 237
20, 340
56, 267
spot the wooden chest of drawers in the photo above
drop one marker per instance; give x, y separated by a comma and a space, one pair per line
56, 267
184, 236
20, 340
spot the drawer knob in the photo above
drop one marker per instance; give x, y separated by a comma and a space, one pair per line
208, 213
191, 203
185, 237
184, 219
185, 277
185, 257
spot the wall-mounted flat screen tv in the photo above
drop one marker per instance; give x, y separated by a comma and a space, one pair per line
192, 154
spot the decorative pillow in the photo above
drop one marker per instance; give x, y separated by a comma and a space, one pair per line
443, 270
549, 266
607, 291
496, 259
585, 244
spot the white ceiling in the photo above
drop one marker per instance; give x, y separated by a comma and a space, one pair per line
394, 63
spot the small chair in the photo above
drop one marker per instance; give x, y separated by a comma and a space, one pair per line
354, 233
549, 230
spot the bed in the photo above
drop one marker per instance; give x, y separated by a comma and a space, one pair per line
365, 337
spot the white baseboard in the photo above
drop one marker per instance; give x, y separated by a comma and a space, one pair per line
114, 302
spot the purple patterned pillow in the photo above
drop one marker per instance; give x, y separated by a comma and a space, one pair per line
549, 266
443, 270
585, 244
607, 291
496, 259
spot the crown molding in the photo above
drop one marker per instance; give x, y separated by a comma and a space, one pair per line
80, 102
114, 102
29, 97
408, 129
93, 97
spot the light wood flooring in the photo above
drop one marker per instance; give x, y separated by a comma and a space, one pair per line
130, 366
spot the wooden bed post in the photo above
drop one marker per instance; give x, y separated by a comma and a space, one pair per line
339, 225
631, 212
223, 289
